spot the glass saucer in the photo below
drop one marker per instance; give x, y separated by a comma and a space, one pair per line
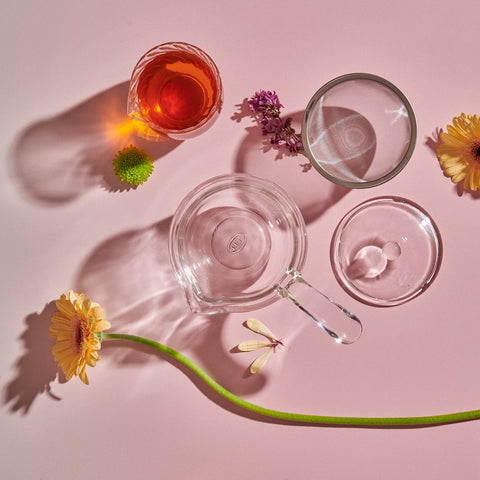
386, 251
359, 130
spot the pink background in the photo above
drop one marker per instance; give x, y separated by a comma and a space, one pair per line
66, 224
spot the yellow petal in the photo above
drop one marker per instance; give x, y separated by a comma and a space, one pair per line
454, 169
459, 177
65, 307
477, 178
102, 325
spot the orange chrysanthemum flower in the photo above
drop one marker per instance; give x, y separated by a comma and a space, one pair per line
459, 154
75, 327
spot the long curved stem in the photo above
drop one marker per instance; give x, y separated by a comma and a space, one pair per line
298, 417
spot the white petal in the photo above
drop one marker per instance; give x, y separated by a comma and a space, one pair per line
260, 361
258, 327
251, 345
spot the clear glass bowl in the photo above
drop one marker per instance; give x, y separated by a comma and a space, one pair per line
359, 130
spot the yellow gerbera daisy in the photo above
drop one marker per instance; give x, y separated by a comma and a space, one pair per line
75, 327
459, 154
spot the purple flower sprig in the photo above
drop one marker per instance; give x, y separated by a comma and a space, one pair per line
266, 107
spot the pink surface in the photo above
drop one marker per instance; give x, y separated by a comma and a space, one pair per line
68, 224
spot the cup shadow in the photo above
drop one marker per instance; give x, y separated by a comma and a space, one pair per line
58, 159
130, 275
36, 368
255, 155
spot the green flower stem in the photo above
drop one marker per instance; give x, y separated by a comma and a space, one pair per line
298, 417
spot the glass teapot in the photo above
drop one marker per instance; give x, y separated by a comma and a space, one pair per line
238, 243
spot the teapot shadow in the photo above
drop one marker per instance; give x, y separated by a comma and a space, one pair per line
312, 193
58, 159
36, 368
131, 277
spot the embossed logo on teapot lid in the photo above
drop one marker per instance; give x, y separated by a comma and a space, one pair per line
237, 243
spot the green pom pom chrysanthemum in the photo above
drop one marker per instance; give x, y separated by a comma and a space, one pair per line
133, 165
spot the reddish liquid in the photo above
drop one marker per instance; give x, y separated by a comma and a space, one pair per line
176, 91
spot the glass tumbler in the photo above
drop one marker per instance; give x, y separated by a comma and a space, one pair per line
176, 90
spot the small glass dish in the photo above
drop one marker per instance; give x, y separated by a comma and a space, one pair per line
386, 251
359, 130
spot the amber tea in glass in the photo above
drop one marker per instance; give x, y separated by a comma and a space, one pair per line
176, 90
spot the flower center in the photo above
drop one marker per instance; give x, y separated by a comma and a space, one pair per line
474, 150
80, 333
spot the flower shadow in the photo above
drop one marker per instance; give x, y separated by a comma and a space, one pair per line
56, 160
36, 368
312, 193
130, 275
433, 141
461, 191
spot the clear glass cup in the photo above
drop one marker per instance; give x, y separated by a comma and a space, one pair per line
359, 130
176, 90
238, 243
